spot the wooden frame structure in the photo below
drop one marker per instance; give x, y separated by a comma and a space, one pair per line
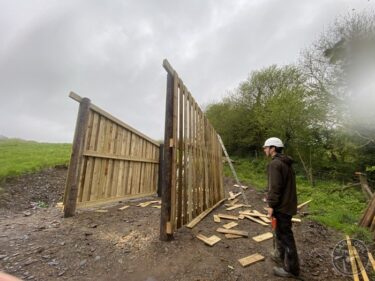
192, 179
110, 160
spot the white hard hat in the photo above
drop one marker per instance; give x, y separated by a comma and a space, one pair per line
273, 142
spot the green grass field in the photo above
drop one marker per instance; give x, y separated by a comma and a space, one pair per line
18, 156
339, 210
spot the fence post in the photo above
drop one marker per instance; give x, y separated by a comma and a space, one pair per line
160, 176
167, 163
71, 189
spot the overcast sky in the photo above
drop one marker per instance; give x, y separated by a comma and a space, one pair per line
112, 53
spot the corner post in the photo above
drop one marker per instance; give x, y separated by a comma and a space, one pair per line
72, 182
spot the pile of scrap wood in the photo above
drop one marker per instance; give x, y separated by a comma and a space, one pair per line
368, 217
230, 226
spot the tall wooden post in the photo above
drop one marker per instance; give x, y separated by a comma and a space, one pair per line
71, 189
167, 163
161, 174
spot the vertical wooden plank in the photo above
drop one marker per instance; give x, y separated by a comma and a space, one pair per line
104, 167
166, 207
85, 159
120, 165
97, 161
116, 163
111, 149
142, 166
195, 161
180, 155
90, 165
185, 155
132, 142
71, 190
174, 155
190, 160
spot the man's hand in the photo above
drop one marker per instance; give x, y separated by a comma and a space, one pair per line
270, 212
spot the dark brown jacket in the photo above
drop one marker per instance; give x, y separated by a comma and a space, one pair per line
282, 194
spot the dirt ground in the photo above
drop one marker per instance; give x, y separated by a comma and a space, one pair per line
37, 243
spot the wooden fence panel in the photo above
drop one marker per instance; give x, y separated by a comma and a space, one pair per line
112, 161
192, 154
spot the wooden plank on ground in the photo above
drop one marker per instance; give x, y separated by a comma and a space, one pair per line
360, 264
371, 258
232, 236
241, 217
232, 231
263, 237
253, 214
233, 196
145, 204
352, 259
303, 204
256, 220
250, 259
195, 221
242, 186
209, 240
101, 211
123, 207
232, 202
228, 217
216, 218
230, 225
234, 207
263, 218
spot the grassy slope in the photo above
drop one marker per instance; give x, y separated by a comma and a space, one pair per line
18, 156
339, 210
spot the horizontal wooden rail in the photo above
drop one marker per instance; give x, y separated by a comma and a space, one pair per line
97, 109
118, 157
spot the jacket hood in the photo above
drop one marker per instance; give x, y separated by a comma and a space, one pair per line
286, 159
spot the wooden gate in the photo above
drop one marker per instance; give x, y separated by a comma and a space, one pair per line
110, 160
192, 166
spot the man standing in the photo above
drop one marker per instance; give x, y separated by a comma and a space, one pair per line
282, 202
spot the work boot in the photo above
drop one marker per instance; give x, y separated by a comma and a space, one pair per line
279, 271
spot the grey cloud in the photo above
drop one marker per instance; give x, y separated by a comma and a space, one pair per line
112, 51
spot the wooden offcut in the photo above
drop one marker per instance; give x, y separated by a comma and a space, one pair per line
227, 217
216, 218
230, 225
253, 214
196, 220
296, 220
250, 259
262, 217
232, 236
372, 261
123, 207
256, 220
303, 204
232, 231
352, 259
236, 206
360, 264
212, 240
263, 237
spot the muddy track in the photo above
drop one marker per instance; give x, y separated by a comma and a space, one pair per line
38, 244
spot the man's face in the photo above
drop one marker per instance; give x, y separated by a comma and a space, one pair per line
268, 151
